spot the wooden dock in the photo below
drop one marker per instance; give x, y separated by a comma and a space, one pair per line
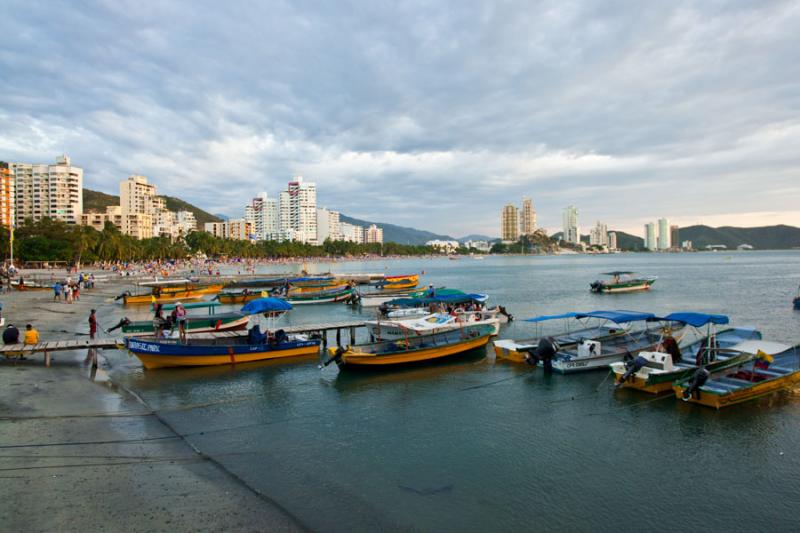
47, 348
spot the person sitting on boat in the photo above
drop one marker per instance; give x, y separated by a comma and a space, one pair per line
670, 346
431, 291
255, 336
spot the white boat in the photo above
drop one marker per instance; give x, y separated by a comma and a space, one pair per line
429, 324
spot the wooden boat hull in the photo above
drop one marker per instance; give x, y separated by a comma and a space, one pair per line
155, 354
718, 401
173, 296
24, 288
355, 359
339, 297
231, 298
205, 324
630, 286
333, 287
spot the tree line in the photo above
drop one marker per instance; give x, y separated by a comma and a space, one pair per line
53, 240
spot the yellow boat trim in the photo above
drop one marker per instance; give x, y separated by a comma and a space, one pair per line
352, 357
637, 383
509, 355
718, 401
174, 296
162, 361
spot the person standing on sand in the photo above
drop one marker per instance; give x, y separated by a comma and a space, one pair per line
56, 291
76, 292
31, 335
68, 293
92, 324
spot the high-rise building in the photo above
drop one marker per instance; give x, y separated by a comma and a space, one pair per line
674, 236
328, 225
238, 229
571, 229
298, 211
373, 234
612, 240
650, 236
351, 232
54, 191
509, 223
186, 222
598, 236
664, 242
527, 217
7, 199
262, 214
98, 221
138, 201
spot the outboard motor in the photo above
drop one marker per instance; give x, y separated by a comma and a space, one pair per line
502, 310
121, 296
544, 352
337, 356
632, 367
699, 379
123, 322
596, 286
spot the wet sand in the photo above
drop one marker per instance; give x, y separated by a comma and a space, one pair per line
81, 454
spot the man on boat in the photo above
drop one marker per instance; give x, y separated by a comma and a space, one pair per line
431, 291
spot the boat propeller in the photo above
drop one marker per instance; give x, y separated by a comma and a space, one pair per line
699, 379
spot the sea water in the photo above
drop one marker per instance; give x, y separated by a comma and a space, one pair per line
474, 444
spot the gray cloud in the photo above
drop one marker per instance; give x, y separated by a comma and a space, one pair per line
427, 115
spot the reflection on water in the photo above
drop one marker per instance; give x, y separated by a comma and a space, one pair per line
473, 444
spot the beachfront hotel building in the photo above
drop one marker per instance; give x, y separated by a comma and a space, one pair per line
663, 234
650, 236
298, 211
598, 236
6, 195
527, 217
373, 234
571, 229
137, 199
98, 221
509, 223
263, 215
328, 225
351, 233
43, 190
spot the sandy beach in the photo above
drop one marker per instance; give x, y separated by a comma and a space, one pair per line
79, 453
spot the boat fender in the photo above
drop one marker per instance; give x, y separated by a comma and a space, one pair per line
632, 367
699, 379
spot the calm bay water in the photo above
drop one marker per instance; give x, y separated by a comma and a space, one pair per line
474, 445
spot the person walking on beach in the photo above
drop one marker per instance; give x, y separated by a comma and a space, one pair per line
31, 335
56, 291
92, 324
76, 292
68, 293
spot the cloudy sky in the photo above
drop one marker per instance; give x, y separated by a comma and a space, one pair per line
428, 114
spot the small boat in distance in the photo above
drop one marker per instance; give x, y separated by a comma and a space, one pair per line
411, 350
772, 367
622, 281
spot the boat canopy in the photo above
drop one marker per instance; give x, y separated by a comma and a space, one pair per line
618, 316
454, 299
619, 273
266, 305
550, 317
696, 319
194, 305
768, 347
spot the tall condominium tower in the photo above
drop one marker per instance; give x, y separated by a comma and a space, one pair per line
509, 223
298, 211
572, 231
262, 214
650, 236
54, 191
527, 217
663, 234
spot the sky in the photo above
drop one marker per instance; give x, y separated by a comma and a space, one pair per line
426, 114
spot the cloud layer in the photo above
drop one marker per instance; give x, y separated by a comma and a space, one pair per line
426, 115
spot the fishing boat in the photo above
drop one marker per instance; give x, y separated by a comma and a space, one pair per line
446, 297
318, 290
411, 350
225, 348
403, 328
313, 281
323, 298
239, 297
654, 371
381, 296
772, 367
406, 281
622, 281
577, 328
211, 321
23, 285
169, 291
276, 281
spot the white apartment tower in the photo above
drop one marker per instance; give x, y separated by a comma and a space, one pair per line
328, 225
599, 235
650, 236
664, 234
298, 211
373, 234
138, 201
262, 214
54, 191
571, 229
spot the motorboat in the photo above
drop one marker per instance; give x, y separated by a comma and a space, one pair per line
622, 281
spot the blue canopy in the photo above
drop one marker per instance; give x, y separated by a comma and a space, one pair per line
550, 317
311, 278
696, 319
453, 299
265, 305
618, 316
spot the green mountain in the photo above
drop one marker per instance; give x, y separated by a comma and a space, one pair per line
398, 234
96, 201
762, 238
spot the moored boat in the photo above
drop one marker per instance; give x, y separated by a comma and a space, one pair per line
622, 281
225, 348
654, 371
772, 367
211, 321
28, 285
328, 297
170, 291
239, 297
391, 329
412, 350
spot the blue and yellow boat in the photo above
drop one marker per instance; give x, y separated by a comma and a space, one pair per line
413, 349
